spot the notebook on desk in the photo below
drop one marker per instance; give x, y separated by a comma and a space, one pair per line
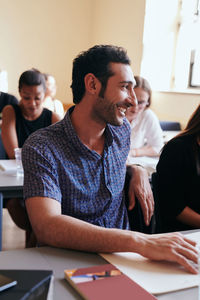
31, 284
105, 282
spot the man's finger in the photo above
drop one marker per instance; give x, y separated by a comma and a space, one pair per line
131, 201
145, 211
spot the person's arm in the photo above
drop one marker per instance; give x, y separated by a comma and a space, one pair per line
54, 229
144, 151
152, 135
55, 118
8, 130
190, 217
140, 188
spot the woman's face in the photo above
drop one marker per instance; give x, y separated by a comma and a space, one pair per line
142, 98
32, 98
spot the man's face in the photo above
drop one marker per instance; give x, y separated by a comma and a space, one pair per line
118, 96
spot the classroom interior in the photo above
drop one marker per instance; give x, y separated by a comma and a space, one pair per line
48, 34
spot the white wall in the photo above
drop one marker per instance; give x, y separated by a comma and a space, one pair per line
174, 106
120, 23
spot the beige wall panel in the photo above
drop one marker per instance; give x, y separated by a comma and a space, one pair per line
120, 23
174, 106
45, 34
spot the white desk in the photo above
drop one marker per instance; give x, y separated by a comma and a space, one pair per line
168, 135
48, 258
11, 185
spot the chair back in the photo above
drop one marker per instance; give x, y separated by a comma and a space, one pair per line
170, 126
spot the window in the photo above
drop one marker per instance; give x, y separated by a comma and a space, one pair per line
171, 55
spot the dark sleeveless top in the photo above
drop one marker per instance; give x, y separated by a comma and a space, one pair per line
25, 127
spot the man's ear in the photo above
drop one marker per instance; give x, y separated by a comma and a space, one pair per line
92, 84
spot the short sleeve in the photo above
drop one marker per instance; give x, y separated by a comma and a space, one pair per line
40, 171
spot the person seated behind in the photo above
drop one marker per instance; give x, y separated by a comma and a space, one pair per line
6, 99
50, 102
146, 133
19, 121
178, 179
74, 186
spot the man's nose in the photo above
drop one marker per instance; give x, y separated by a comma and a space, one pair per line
134, 98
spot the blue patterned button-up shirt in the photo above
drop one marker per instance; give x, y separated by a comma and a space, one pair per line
89, 186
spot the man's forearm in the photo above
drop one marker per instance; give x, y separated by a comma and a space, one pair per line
68, 232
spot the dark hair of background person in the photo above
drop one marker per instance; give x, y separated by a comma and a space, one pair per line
32, 77
143, 84
96, 60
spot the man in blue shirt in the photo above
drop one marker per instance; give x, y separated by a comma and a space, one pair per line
75, 169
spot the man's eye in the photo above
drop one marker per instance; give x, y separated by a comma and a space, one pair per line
125, 86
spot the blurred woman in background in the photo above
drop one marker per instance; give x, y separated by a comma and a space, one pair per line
146, 133
50, 101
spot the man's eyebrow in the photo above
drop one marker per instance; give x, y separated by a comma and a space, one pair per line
127, 81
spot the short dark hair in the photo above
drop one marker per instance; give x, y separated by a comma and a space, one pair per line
32, 77
96, 60
144, 85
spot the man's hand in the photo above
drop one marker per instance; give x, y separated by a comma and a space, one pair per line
140, 188
171, 247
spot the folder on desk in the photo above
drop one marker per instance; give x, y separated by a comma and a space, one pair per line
31, 284
105, 282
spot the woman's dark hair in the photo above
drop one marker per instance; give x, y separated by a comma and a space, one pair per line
32, 77
143, 84
97, 61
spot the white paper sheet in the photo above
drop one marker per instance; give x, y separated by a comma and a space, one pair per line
155, 276
8, 165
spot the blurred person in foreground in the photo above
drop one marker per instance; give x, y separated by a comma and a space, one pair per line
177, 181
